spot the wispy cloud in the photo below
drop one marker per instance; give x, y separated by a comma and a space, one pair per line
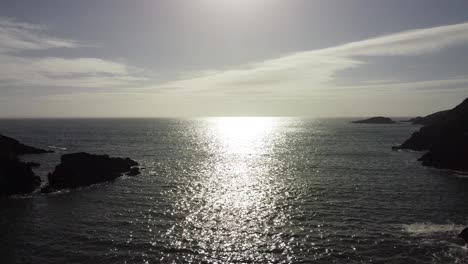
308, 71
395, 86
18, 69
17, 36
412, 42
294, 77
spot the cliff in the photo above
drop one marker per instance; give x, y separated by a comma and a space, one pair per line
445, 140
430, 119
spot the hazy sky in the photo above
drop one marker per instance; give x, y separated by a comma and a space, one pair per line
232, 57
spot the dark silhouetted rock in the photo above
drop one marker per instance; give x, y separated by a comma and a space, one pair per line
12, 147
464, 235
33, 164
16, 177
445, 140
83, 169
430, 119
375, 120
134, 171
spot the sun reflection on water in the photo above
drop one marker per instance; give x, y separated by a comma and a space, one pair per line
235, 196
244, 135
240, 172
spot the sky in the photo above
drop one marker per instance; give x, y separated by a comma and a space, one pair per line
180, 58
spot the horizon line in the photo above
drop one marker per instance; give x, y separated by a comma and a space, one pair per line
194, 117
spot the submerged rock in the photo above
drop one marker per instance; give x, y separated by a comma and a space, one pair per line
375, 120
445, 140
83, 169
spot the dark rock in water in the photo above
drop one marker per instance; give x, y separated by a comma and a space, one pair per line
16, 177
430, 119
12, 147
134, 171
33, 164
83, 169
375, 120
445, 140
464, 235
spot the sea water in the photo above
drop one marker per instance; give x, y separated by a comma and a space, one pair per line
237, 190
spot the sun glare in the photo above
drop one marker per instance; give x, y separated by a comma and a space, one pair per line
243, 134
235, 3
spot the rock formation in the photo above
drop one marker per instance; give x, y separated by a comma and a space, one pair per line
446, 140
83, 169
464, 235
12, 147
430, 119
375, 120
17, 177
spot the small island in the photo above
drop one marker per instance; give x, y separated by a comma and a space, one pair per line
375, 120
83, 169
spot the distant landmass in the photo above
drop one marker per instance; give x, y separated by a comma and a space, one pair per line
430, 119
375, 120
445, 139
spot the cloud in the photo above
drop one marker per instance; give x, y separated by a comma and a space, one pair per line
394, 86
17, 36
412, 42
306, 77
18, 69
304, 72
59, 66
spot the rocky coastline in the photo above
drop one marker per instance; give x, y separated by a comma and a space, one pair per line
445, 139
75, 170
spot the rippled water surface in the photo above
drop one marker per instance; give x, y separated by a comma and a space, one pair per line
237, 190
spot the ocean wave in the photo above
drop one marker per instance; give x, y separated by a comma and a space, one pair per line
57, 192
461, 174
55, 147
431, 228
21, 196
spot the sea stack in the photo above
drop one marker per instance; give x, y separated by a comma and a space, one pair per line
445, 140
375, 120
83, 169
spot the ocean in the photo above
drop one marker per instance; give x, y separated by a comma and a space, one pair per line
237, 190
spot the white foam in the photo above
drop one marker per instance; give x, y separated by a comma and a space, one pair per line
430, 228
58, 192
55, 147
460, 174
